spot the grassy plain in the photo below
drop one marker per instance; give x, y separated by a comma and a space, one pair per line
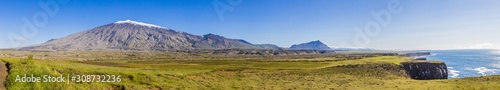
376, 72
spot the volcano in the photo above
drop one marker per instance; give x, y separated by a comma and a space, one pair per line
134, 35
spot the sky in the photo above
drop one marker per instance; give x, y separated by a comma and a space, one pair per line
380, 24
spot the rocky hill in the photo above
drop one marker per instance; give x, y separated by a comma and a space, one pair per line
313, 45
133, 35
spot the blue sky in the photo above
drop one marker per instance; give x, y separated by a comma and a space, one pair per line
421, 24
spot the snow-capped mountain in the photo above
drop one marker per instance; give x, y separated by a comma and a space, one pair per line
138, 23
133, 35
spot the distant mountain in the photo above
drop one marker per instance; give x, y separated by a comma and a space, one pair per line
313, 45
269, 46
133, 35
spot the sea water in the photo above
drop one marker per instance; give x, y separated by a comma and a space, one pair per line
468, 63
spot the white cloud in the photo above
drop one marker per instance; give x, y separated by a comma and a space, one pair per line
485, 45
482, 46
21, 39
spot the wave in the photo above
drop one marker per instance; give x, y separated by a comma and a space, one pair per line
433, 54
453, 73
496, 58
496, 65
483, 70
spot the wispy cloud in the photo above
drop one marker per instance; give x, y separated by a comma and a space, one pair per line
485, 45
21, 39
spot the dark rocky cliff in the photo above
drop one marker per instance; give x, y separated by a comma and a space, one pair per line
426, 70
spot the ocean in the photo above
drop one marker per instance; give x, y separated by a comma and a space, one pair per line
468, 63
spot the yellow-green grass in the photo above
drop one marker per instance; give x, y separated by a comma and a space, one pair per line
210, 65
425, 61
383, 72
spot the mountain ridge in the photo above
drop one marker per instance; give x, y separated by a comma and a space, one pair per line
134, 35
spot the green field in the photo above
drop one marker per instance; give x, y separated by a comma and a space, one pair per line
379, 72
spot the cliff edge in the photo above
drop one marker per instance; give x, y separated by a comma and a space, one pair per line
426, 69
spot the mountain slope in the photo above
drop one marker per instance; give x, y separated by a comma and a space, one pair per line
313, 45
133, 35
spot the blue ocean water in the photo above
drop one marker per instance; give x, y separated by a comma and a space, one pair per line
468, 63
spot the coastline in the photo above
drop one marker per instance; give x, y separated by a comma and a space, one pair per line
463, 63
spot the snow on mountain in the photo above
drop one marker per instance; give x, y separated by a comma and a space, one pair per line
139, 23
